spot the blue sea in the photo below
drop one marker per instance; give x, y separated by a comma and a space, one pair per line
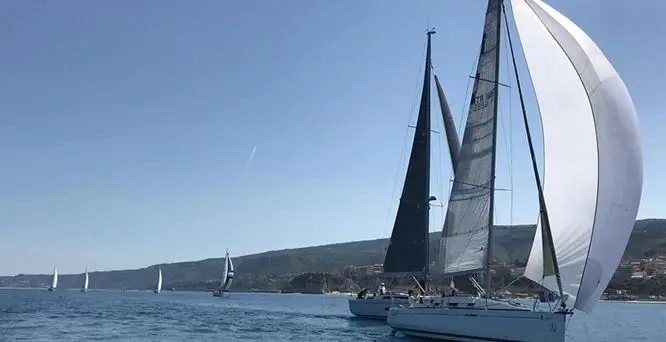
39, 315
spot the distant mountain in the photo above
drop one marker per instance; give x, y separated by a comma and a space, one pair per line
512, 244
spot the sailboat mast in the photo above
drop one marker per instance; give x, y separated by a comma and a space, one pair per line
407, 252
425, 101
547, 237
494, 8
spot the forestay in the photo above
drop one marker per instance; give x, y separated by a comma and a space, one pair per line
593, 160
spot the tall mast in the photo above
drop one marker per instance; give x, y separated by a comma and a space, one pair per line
425, 102
407, 253
494, 8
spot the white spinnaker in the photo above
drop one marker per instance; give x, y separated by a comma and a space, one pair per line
226, 270
54, 283
159, 281
593, 157
230, 273
86, 280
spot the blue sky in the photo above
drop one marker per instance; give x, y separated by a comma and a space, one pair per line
126, 126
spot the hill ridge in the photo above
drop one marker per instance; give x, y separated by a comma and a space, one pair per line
512, 244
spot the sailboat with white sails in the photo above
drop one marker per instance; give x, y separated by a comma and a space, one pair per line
158, 289
227, 276
86, 280
593, 167
54, 280
408, 250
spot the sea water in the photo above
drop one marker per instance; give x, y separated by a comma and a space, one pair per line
70, 315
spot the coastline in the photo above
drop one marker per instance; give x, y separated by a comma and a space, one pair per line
634, 301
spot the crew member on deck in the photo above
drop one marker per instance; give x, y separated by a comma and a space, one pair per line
382, 289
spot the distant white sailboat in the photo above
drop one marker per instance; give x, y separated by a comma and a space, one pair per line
158, 289
85, 282
54, 282
227, 276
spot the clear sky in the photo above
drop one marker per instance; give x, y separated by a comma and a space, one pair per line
126, 126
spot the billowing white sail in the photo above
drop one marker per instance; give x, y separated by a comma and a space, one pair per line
593, 172
228, 276
158, 289
86, 280
54, 282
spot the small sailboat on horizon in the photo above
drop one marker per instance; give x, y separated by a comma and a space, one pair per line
227, 276
54, 281
158, 289
86, 281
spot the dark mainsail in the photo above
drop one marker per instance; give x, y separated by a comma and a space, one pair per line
408, 247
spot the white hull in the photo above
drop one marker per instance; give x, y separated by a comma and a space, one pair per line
375, 308
458, 319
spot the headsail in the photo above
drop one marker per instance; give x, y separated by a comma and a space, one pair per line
408, 247
593, 157
158, 289
228, 272
86, 280
449, 126
54, 282
464, 242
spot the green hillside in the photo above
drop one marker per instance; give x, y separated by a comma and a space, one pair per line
272, 268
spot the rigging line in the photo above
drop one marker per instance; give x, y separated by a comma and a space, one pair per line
461, 127
510, 147
436, 167
500, 115
509, 86
461, 122
440, 164
444, 192
511, 170
507, 138
542, 201
405, 143
439, 179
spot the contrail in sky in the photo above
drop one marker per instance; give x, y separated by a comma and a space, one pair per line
249, 160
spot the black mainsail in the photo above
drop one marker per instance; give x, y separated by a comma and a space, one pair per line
408, 247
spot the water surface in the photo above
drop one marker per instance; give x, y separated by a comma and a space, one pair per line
39, 315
